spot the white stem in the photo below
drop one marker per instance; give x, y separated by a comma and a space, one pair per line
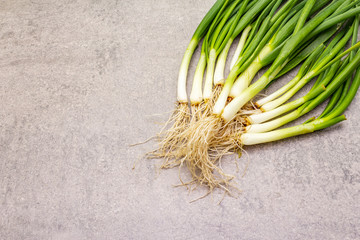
181, 89
219, 75
237, 103
222, 99
196, 95
279, 92
274, 124
277, 102
209, 75
247, 76
240, 46
257, 138
265, 116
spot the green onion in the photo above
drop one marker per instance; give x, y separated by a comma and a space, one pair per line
279, 33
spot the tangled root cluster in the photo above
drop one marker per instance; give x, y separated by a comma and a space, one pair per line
170, 140
199, 140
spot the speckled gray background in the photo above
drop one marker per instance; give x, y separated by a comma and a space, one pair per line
83, 79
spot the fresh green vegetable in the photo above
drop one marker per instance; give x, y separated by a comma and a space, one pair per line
282, 34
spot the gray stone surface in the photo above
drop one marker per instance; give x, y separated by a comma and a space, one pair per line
83, 79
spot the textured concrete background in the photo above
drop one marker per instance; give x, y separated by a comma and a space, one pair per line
83, 79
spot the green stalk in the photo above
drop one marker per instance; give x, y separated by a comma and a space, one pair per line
310, 105
352, 54
333, 101
333, 21
207, 20
311, 74
265, 116
302, 71
304, 15
336, 83
296, 39
288, 28
215, 41
320, 79
349, 92
325, 81
302, 54
289, 5
349, 97
249, 15
341, 93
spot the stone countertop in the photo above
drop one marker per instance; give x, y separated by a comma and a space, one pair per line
81, 80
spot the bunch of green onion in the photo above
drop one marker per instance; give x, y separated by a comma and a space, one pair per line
221, 117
